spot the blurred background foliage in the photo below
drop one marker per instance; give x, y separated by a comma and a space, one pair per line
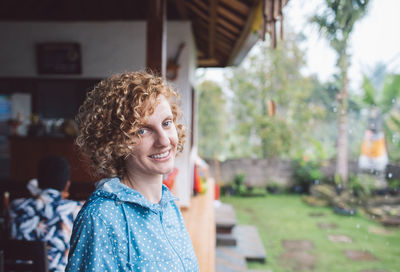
234, 120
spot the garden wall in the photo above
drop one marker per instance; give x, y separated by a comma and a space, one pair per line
260, 172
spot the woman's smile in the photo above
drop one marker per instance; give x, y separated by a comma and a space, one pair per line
161, 156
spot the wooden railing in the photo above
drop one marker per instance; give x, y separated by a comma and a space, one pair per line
200, 222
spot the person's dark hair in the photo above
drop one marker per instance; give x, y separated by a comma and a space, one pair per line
53, 172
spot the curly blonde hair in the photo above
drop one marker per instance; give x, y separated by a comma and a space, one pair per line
114, 111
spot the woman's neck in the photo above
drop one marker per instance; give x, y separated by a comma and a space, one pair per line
149, 187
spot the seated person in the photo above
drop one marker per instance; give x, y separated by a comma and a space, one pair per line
48, 216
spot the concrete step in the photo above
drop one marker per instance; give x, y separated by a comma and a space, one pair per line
229, 259
225, 217
226, 239
249, 243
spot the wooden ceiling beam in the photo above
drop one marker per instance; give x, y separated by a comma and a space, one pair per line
220, 52
219, 28
228, 26
237, 5
230, 16
180, 6
200, 53
218, 61
224, 41
223, 45
223, 23
212, 27
201, 4
243, 35
208, 62
227, 34
201, 24
220, 42
197, 11
203, 27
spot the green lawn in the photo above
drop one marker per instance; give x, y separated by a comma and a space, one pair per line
286, 217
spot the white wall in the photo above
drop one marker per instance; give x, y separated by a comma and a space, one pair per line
107, 48
178, 32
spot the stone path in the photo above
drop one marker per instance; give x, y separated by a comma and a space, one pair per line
236, 244
296, 255
249, 243
297, 245
316, 214
354, 255
360, 255
225, 218
325, 225
380, 231
229, 259
337, 238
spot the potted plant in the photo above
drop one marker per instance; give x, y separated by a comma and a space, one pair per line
306, 173
273, 187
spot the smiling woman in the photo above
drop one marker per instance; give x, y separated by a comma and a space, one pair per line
154, 153
128, 128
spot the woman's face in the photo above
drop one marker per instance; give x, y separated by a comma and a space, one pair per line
154, 153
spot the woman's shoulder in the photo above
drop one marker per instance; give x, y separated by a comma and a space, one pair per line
103, 207
98, 205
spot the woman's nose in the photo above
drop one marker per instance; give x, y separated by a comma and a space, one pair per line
163, 138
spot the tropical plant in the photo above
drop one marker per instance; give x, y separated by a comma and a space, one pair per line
336, 22
394, 185
385, 97
361, 184
238, 182
306, 173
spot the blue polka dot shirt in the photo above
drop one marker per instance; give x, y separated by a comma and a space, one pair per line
118, 229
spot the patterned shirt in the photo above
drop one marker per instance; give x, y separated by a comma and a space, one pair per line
118, 229
48, 218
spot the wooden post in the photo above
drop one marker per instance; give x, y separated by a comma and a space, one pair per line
212, 28
217, 171
156, 47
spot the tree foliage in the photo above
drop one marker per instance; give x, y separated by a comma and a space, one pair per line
212, 119
336, 23
381, 89
272, 74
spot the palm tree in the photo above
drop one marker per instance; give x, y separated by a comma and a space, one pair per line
336, 23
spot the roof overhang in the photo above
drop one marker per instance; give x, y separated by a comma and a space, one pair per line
224, 30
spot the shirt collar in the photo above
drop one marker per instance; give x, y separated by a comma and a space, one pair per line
123, 193
50, 194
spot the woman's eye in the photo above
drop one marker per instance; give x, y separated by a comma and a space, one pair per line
167, 123
142, 131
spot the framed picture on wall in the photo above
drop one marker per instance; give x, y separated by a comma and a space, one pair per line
58, 58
